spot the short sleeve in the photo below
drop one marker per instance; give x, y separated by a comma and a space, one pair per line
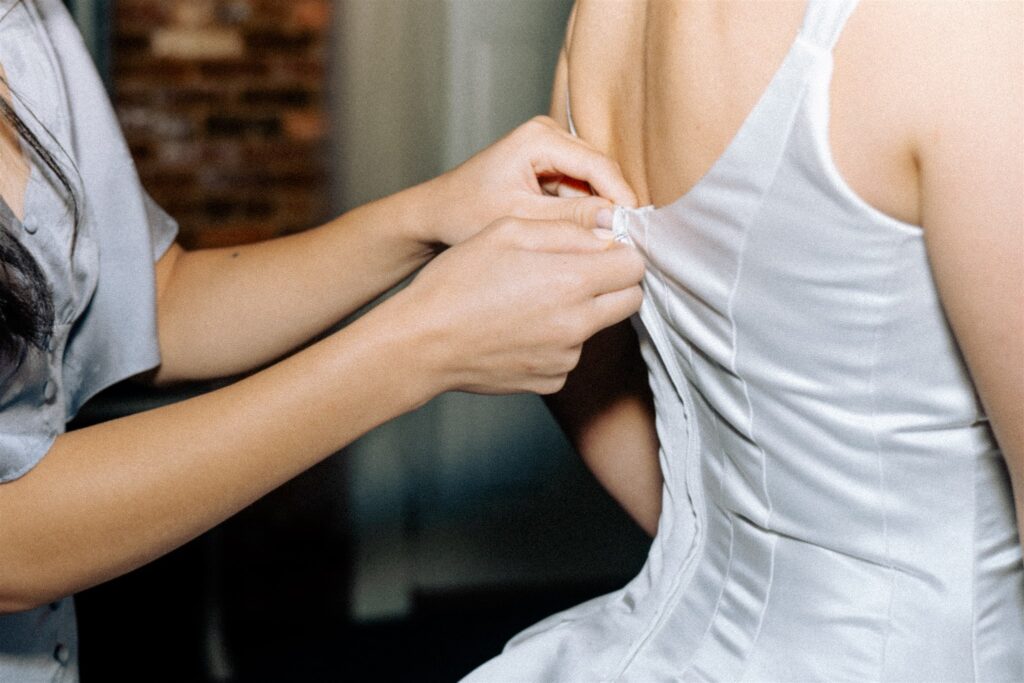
115, 337
29, 422
105, 296
163, 229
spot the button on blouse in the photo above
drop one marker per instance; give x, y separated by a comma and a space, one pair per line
99, 269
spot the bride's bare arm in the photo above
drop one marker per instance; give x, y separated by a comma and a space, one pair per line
971, 156
606, 407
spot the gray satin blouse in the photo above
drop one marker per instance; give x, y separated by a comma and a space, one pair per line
100, 271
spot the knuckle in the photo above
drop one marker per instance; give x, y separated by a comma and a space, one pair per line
506, 228
569, 329
634, 265
573, 357
541, 120
570, 280
578, 329
635, 297
535, 126
528, 241
581, 211
552, 385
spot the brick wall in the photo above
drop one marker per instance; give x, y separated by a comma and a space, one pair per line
223, 105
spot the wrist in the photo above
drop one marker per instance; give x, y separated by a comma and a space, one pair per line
432, 208
413, 346
399, 227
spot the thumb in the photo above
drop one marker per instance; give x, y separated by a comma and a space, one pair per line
554, 237
586, 211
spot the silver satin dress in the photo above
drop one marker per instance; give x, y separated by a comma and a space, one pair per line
835, 506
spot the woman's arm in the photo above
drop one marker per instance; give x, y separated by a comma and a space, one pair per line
971, 156
606, 407
506, 311
226, 311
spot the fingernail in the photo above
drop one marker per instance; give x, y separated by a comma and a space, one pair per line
604, 234
605, 218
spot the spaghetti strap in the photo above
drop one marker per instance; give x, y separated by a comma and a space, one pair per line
824, 21
568, 110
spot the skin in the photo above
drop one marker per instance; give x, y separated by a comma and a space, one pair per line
505, 310
14, 170
936, 142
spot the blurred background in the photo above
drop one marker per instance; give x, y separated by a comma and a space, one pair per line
419, 550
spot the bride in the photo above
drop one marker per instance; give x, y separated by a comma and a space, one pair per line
832, 332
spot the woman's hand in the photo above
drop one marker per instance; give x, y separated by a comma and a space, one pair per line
510, 178
509, 310
226, 311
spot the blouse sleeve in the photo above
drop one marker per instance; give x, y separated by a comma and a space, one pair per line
122, 232
116, 336
163, 229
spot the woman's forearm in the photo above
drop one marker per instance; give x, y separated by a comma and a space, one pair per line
110, 498
227, 311
505, 312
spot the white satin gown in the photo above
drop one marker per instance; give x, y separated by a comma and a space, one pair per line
835, 506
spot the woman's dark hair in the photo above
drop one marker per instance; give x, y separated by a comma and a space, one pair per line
26, 300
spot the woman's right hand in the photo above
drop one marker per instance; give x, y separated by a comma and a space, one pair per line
509, 309
528, 174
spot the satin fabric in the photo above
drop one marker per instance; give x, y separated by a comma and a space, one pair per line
835, 505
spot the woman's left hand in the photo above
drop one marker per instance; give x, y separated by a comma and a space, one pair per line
512, 178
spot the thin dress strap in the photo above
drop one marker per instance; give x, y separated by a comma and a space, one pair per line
568, 110
824, 21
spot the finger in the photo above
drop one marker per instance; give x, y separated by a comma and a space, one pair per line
570, 187
614, 307
551, 185
562, 362
558, 152
554, 237
617, 268
548, 385
564, 186
586, 211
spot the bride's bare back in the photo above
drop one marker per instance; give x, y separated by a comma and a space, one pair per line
664, 86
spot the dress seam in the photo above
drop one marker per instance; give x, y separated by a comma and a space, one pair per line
730, 309
880, 467
873, 426
974, 571
678, 583
678, 379
820, 125
721, 592
764, 609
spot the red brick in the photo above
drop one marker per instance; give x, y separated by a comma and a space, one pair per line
312, 14
230, 142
